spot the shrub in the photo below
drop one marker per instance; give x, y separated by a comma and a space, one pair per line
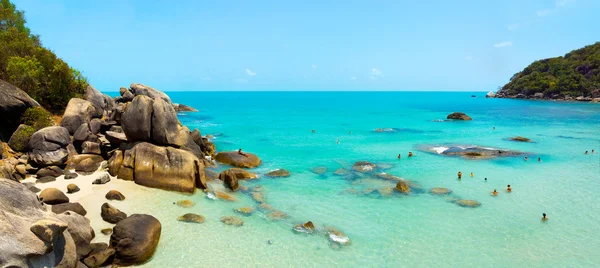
20, 138
37, 118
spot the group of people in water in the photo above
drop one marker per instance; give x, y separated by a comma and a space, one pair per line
586, 152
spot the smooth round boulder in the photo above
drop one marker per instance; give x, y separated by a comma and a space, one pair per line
72, 188
51, 171
236, 159
135, 239
111, 214
229, 179
78, 112
114, 195
191, 217
459, 116
87, 166
48, 146
278, 173
53, 196
75, 207
402, 186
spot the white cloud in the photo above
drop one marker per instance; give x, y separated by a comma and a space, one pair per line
314, 66
353, 78
544, 12
514, 27
562, 3
241, 80
376, 72
205, 78
469, 58
250, 72
503, 44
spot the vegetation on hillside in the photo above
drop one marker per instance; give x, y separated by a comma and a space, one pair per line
25, 63
575, 74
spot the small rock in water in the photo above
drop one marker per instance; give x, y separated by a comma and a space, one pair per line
265, 207
102, 180
257, 197
246, 211
402, 186
278, 173
386, 191
468, 203
232, 220
319, 170
440, 191
191, 217
363, 166
185, 203
277, 215
307, 227
336, 237
225, 196
368, 191
341, 172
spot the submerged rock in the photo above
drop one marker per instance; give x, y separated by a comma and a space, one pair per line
467, 203
402, 186
521, 139
278, 173
244, 160
191, 217
185, 203
307, 227
341, 172
246, 211
232, 220
277, 215
386, 191
459, 116
440, 191
336, 237
241, 174
225, 196
319, 170
388, 177
363, 166
470, 151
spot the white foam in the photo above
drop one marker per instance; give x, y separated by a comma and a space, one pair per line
440, 149
339, 239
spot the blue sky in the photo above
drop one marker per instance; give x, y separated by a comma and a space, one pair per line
310, 45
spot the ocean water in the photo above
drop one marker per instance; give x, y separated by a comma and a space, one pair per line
415, 230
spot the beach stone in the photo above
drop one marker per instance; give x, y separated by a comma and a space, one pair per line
75, 207
75, 160
402, 186
48, 146
224, 196
319, 170
106, 231
185, 203
114, 195
21, 170
135, 239
99, 258
51, 171
103, 179
87, 166
235, 159
232, 220
278, 173
468, 203
111, 214
191, 217
521, 139
440, 191
89, 147
277, 215
45, 179
386, 191
53, 196
363, 166
115, 138
72, 188
13, 103
242, 174
115, 162
458, 116
70, 175
78, 112
246, 211
307, 227
229, 179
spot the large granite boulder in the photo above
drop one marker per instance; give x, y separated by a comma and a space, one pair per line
111, 214
135, 239
78, 111
53, 196
160, 167
32, 236
139, 89
137, 119
13, 103
236, 159
229, 179
101, 102
459, 116
48, 146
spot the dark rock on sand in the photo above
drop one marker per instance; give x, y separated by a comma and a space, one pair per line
278, 173
51, 171
72, 188
100, 258
53, 196
459, 116
114, 195
70, 175
48, 146
103, 179
45, 179
111, 214
135, 239
106, 231
191, 217
75, 207
229, 179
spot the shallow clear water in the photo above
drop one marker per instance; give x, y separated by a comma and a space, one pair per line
416, 230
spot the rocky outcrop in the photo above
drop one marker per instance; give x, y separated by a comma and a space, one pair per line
102, 103
229, 179
160, 167
242, 174
459, 116
13, 103
38, 237
48, 146
470, 151
78, 112
143, 90
363, 166
236, 159
111, 214
490, 94
135, 239
183, 108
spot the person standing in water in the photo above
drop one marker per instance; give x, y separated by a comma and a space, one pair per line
399, 156
460, 175
586, 152
410, 154
508, 189
525, 158
313, 131
539, 159
337, 141
485, 179
544, 218
495, 193
472, 174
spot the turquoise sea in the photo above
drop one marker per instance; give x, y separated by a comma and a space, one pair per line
415, 230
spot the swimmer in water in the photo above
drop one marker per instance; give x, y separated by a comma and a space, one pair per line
544, 218
494, 128
485, 179
592, 150
586, 152
495, 193
399, 156
472, 174
508, 189
313, 131
459, 175
338, 141
525, 158
410, 154
539, 159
